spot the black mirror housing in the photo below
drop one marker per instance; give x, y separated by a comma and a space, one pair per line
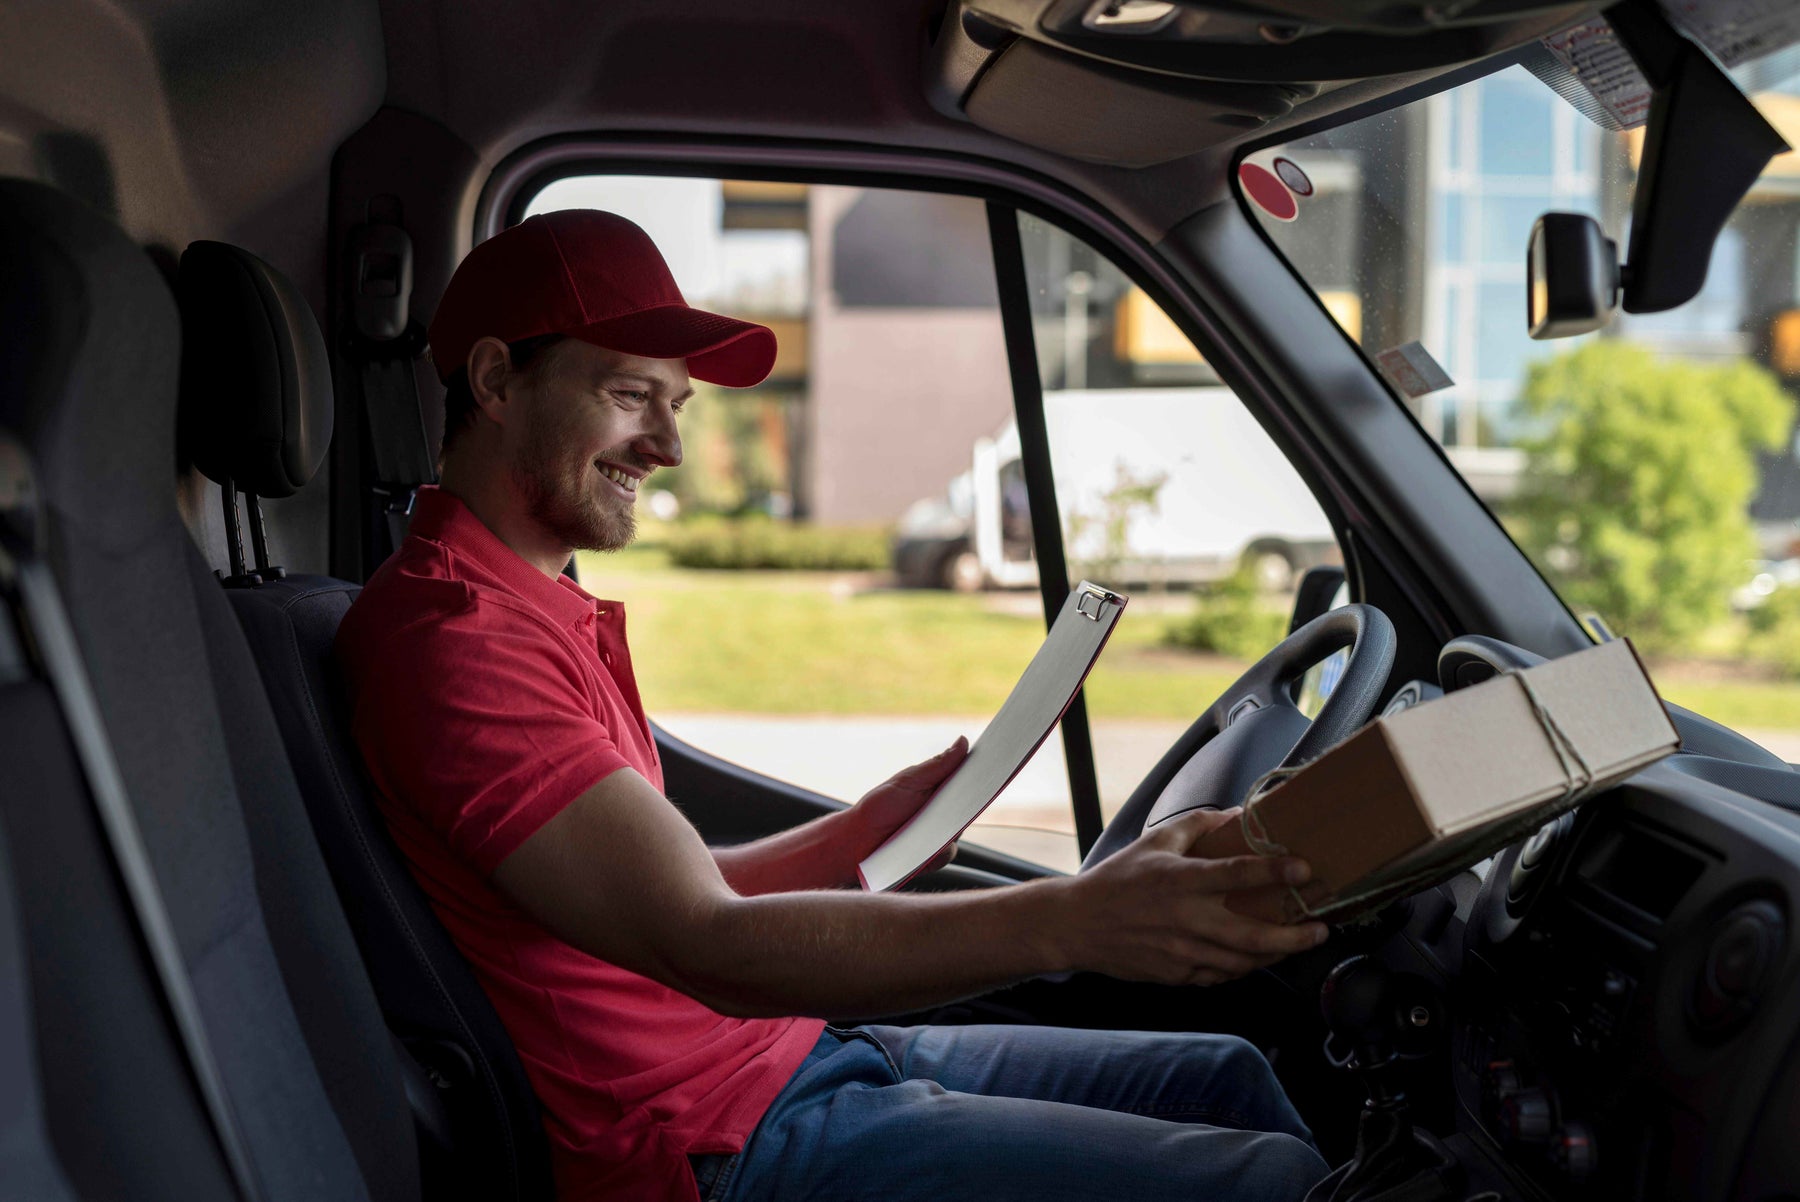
1572, 277
1316, 594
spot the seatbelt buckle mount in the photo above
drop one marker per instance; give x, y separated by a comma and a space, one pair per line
381, 281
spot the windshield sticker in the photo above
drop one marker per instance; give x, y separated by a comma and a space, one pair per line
1599, 62
1592, 65
1291, 175
1412, 370
1267, 192
1737, 30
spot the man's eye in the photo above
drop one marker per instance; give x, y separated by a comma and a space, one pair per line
632, 395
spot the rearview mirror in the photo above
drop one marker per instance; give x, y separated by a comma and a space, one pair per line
1572, 277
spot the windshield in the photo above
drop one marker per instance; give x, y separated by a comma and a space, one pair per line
1649, 469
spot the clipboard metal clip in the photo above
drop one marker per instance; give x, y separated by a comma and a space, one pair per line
1091, 603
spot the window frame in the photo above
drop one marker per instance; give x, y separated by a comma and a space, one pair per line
1008, 192
518, 177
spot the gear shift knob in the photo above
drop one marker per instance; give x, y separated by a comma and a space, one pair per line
1360, 1004
1377, 1017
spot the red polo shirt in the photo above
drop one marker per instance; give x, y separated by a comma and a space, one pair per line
485, 697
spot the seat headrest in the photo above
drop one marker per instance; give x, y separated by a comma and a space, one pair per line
256, 399
88, 339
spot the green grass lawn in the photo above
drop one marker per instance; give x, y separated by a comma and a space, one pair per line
1740, 704
789, 643
811, 643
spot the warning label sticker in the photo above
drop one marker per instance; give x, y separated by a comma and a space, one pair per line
1412, 370
1732, 31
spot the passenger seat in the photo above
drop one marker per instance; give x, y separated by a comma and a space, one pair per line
256, 415
89, 360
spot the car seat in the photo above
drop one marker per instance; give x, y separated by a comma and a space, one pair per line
256, 415
98, 1101
89, 358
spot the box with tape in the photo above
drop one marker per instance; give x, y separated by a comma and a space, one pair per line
1415, 797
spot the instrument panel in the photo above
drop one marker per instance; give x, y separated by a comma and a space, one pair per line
1630, 998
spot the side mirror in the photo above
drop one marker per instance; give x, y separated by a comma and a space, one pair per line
1317, 594
1572, 277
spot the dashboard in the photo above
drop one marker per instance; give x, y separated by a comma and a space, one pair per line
1609, 1009
1626, 997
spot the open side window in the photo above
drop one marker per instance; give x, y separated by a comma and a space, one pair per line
845, 572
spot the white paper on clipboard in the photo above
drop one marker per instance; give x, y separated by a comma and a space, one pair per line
1030, 713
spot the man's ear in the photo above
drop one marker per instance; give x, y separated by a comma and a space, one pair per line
490, 373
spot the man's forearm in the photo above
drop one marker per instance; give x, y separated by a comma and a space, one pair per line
824, 853
839, 954
820, 854
622, 876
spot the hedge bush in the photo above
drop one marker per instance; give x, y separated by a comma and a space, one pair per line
738, 544
1775, 632
1230, 618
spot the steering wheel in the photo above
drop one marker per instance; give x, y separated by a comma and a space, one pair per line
1255, 726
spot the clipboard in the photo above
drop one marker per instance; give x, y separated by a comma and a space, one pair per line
1032, 710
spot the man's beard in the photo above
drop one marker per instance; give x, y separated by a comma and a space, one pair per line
563, 497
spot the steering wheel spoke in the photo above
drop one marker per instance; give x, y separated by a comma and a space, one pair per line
1255, 726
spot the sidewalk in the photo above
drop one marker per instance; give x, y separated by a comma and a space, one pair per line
844, 757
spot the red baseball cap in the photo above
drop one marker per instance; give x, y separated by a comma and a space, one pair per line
597, 277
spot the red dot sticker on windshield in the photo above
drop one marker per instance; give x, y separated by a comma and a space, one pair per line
1267, 192
1291, 175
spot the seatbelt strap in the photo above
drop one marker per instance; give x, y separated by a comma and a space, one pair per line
396, 425
45, 622
384, 343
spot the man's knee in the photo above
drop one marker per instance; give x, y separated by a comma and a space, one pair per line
1241, 1055
1284, 1167
1251, 1081
1242, 1063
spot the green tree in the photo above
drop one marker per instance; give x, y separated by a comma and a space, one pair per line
1231, 617
1636, 492
1130, 495
728, 466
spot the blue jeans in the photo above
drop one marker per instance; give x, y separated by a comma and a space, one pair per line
1040, 1113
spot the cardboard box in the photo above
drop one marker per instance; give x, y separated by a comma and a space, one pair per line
1412, 799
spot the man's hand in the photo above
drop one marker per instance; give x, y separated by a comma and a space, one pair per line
890, 805
824, 853
1152, 912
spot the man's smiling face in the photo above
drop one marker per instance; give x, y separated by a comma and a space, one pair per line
597, 423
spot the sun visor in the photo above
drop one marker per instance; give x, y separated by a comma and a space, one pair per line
1404, 17
1162, 43
1116, 116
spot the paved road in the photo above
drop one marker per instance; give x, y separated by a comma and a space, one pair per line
844, 756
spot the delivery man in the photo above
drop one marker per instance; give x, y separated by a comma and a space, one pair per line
668, 999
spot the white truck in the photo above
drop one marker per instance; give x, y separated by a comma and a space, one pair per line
1227, 495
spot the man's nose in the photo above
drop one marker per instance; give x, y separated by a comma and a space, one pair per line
660, 443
